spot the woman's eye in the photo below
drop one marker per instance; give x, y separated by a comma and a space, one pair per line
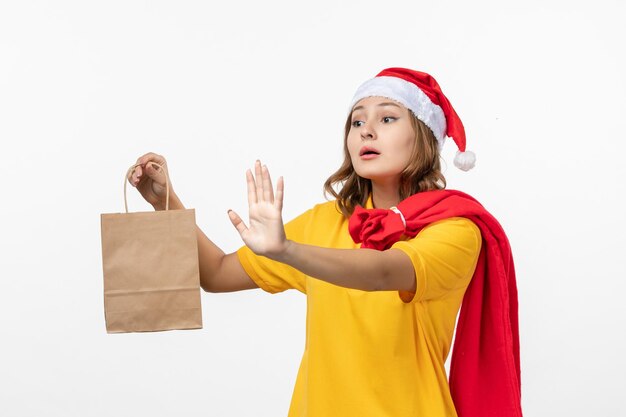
357, 123
388, 119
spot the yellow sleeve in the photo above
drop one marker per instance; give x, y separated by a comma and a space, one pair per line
444, 256
273, 276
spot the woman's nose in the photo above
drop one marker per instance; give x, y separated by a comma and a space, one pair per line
367, 132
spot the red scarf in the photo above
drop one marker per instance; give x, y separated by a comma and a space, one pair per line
485, 365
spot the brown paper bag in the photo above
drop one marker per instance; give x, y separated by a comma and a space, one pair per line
151, 274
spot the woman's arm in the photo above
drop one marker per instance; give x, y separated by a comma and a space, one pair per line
220, 272
363, 269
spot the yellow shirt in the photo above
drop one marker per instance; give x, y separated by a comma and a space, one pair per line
378, 354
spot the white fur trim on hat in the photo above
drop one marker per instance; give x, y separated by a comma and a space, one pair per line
410, 96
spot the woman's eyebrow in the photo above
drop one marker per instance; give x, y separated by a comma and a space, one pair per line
386, 103
389, 103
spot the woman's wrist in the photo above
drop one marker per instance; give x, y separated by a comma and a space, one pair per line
287, 254
175, 203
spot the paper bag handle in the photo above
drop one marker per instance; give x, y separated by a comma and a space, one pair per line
167, 185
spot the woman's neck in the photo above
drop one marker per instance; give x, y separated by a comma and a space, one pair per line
385, 196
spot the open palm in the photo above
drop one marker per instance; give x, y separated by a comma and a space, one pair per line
265, 234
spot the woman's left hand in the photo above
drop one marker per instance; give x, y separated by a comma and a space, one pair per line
266, 233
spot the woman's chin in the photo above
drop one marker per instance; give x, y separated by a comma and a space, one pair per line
380, 178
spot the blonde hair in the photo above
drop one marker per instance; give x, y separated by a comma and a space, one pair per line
422, 174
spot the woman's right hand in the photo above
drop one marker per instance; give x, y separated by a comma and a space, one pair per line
149, 179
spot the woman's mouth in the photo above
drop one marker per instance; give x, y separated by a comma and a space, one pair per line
368, 153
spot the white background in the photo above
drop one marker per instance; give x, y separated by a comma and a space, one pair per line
88, 87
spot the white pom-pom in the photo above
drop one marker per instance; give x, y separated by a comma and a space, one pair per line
465, 160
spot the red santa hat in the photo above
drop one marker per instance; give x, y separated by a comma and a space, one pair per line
420, 93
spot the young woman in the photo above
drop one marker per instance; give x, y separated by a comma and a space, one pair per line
385, 267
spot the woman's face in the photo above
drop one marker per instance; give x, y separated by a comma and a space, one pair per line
381, 139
